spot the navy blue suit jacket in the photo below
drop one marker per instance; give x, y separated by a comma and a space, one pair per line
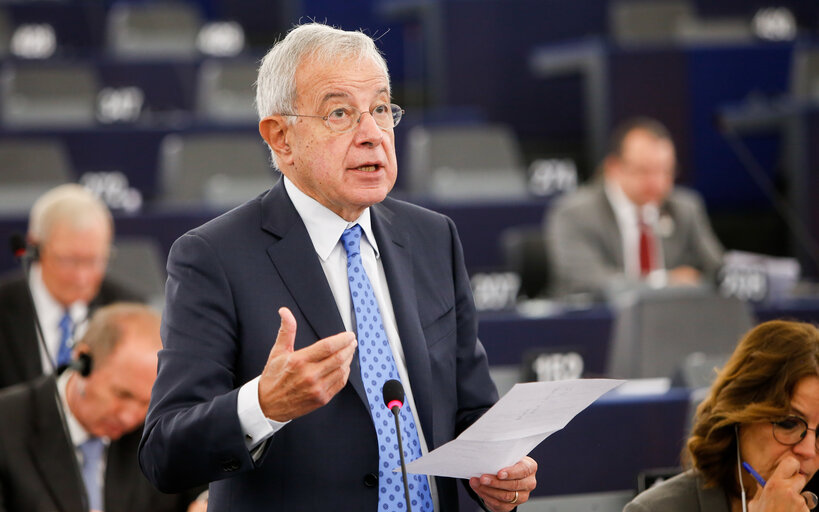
226, 281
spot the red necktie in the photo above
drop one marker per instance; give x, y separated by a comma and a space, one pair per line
646, 247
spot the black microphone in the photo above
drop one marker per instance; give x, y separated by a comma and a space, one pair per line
22, 251
393, 393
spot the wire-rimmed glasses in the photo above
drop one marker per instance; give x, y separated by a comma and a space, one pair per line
343, 119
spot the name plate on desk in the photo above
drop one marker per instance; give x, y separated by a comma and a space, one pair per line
757, 277
558, 363
495, 290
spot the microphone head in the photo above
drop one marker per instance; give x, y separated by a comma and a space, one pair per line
393, 393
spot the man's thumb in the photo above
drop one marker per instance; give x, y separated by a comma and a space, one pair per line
286, 338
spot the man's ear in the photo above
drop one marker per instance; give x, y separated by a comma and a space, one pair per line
275, 131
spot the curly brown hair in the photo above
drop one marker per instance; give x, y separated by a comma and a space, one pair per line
756, 384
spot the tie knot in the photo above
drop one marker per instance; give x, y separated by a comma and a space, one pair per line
65, 321
351, 238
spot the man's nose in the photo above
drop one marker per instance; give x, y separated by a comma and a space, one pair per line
85, 273
367, 131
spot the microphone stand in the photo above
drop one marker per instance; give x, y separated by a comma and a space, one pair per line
395, 413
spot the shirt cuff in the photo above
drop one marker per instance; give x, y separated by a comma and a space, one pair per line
255, 425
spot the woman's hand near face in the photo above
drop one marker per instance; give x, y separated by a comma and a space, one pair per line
782, 490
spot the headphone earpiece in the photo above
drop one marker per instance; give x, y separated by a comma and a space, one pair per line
33, 251
83, 365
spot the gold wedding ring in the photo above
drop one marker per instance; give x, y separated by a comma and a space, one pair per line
515, 500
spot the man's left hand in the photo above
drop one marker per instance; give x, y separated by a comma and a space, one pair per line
509, 488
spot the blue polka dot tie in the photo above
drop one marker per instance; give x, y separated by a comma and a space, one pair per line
377, 367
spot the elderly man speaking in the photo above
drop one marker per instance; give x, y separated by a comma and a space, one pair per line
360, 288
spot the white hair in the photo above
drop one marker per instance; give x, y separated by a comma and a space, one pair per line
276, 83
70, 203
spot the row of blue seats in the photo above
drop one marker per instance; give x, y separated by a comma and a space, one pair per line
39, 28
106, 90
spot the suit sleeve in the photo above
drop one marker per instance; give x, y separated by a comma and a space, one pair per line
192, 432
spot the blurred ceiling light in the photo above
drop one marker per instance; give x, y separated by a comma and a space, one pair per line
34, 41
221, 39
775, 24
122, 104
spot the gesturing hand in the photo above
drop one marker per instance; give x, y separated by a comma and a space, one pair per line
296, 382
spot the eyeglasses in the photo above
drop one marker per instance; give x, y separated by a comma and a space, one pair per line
344, 119
67, 262
791, 430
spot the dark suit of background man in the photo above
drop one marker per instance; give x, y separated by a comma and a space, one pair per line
40, 463
593, 235
72, 230
324, 102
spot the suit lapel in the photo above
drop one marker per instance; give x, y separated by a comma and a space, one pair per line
298, 265
396, 257
671, 244
23, 340
610, 229
52, 453
296, 261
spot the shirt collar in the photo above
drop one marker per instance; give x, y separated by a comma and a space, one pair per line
78, 434
623, 206
323, 226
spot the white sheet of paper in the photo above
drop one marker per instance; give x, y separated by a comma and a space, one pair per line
521, 420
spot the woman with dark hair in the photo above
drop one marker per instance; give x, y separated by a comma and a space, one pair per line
761, 417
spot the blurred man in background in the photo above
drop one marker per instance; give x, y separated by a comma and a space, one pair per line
88, 460
71, 231
632, 226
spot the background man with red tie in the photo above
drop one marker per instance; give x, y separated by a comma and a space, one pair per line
295, 421
631, 224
